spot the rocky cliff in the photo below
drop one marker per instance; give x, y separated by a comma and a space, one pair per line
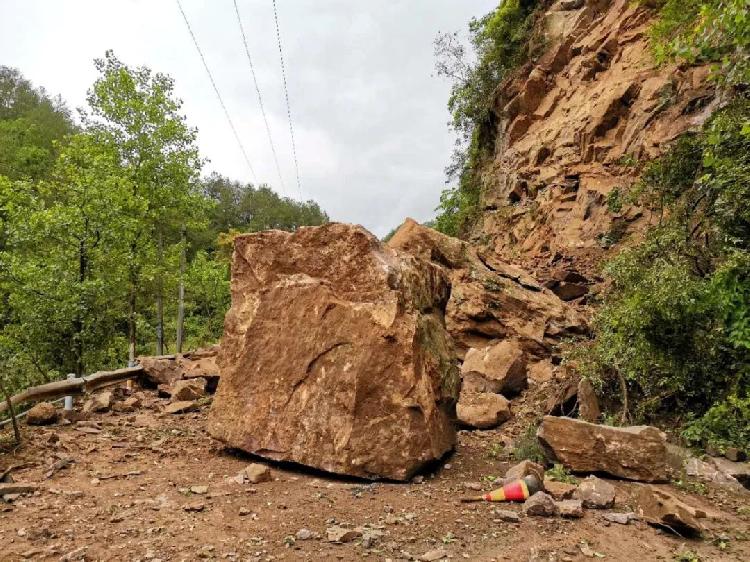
571, 127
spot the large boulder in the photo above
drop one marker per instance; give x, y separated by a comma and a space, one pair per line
43, 413
335, 354
482, 410
635, 453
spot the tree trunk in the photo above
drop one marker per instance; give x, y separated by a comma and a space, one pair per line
160, 299
12, 411
181, 294
131, 324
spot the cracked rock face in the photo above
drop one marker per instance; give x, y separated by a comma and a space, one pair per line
335, 354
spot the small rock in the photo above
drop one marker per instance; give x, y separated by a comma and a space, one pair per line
476, 486
418, 479
433, 555
244, 512
194, 507
571, 509
128, 405
43, 413
596, 493
735, 455
99, 402
507, 516
341, 535
523, 469
188, 390
620, 518
560, 490
181, 407
370, 537
200, 490
257, 473
541, 505
304, 535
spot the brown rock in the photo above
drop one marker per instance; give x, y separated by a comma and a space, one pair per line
434, 555
588, 403
596, 493
190, 389
130, 404
498, 368
541, 505
335, 354
257, 473
342, 535
482, 410
735, 455
559, 490
99, 402
636, 453
167, 369
181, 407
43, 413
662, 509
570, 509
523, 469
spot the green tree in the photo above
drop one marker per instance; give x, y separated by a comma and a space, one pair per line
135, 111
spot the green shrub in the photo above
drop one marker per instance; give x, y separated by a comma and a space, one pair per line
725, 424
526, 447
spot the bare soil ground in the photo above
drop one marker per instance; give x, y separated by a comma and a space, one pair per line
127, 496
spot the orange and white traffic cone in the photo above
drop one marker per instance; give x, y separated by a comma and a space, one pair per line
516, 491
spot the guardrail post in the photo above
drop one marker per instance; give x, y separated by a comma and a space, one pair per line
69, 399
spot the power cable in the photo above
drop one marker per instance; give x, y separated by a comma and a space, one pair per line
286, 96
260, 97
216, 89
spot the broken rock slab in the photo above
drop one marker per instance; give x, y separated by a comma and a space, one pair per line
596, 493
482, 410
665, 510
541, 505
188, 389
167, 369
99, 402
497, 368
335, 354
181, 407
636, 453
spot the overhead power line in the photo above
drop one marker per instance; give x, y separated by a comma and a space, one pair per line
216, 89
286, 96
260, 97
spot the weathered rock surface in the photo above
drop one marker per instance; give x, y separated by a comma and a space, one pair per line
570, 509
491, 301
167, 369
181, 407
559, 490
335, 354
661, 508
482, 410
588, 403
99, 402
496, 368
635, 453
540, 504
596, 493
256, 473
523, 469
188, 389
43, 413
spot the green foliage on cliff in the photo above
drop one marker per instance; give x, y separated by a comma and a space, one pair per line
500, 42
674, 332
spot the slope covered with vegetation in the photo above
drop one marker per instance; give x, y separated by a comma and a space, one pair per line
102, 221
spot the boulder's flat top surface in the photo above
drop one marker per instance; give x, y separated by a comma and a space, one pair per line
146, 463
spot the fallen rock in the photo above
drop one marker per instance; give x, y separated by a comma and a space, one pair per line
43, 413
498, 368
559, 490
189, 389
200, 490
434, 555
662, 509
167, 369
341, 535
620, 518
507, 516
635, 453
130, 404
194, 507
99, 402
257, 473
352, 369
596, 493
12, 488
482, 410
304, 535
523, 469
181, 407
541, 505
740, 471
588, 403
735, 455
570, 509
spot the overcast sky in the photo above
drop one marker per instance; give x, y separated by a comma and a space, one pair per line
369, 116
